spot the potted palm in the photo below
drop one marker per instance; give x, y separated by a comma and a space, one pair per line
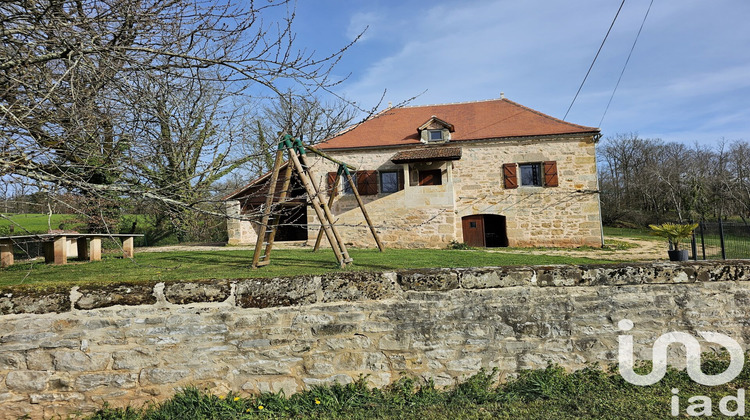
675, 233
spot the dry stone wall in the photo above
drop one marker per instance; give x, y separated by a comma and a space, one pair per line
63, 351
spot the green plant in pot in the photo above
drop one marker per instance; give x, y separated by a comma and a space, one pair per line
675, 233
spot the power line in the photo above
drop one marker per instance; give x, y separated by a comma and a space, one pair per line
594, 61
626, 62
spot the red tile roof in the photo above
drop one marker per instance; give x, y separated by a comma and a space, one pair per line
497, 118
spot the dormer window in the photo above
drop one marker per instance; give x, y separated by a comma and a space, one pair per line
435, 130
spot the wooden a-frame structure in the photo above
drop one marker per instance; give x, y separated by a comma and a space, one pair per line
296, 151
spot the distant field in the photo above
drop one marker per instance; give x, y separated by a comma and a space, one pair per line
34, 223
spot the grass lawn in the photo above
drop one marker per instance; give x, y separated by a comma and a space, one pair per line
644, 233
550, 393
193, 265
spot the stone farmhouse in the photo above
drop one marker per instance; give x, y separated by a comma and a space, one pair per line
488, 173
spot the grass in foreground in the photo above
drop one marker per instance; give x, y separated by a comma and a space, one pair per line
549, 393
195, 265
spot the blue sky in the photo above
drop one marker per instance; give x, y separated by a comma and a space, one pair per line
688, 79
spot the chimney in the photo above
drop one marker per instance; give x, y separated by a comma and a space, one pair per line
502, 95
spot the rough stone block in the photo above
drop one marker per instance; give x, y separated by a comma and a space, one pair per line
102, 296
87, 382
134, 359
78, 361
34, 302
491, 277
358, 286
12, 361
158, 376
288, 291
203, 291
428, 280
46, 398
335, 379
27, 380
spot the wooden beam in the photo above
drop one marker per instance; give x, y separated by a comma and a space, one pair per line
267, 209
331, 197
325, 156
364, 212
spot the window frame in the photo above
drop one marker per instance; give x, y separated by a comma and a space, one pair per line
396, 183
439, 133
537, 174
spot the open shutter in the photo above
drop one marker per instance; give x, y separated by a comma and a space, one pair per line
332, 180
509, 175
550, 173
367, 182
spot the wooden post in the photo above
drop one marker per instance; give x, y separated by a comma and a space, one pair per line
322, 217
6, 253
331, 197
83, 248
60, 250
282, 196
95, 250
326, 211
364, 212
127, 246
267, 209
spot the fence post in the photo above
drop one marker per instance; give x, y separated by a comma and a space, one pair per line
693, 246
703, 240
721, 238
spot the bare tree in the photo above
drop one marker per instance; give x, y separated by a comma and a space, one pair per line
306, 117
71, 71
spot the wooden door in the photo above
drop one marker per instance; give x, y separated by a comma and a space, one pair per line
473, 228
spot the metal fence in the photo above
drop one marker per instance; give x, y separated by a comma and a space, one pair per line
721, 240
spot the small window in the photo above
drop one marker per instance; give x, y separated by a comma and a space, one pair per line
436, 135
531, 174
388, 182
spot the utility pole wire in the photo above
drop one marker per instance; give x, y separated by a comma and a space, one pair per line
626, 62
594, 61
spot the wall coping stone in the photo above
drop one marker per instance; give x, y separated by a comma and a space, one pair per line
356, 286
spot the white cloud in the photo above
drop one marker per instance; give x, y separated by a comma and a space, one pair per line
688, 72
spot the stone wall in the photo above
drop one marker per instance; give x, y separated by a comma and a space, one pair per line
240, 231
68, 350
566, 215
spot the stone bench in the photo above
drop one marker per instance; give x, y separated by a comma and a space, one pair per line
56, 246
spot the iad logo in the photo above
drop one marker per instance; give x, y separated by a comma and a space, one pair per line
702, 404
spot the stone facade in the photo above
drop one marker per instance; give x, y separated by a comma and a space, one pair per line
239, 231
431, 216
63, 351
